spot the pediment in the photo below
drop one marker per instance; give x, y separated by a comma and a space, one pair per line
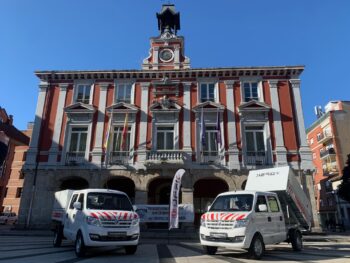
80, 108
122, 107
254, 105
209, 106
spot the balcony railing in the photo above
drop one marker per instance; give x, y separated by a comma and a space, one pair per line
119, 157
256, 158
330, 169
165, 155
325, 153
325, 136
75, 158
210, 157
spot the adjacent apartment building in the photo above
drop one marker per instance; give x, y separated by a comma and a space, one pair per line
132, 129
11, 140
329, 140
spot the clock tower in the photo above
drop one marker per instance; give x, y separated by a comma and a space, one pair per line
167, 50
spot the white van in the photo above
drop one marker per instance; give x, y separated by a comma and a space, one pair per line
95, 218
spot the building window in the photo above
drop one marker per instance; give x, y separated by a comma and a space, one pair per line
211, 145
123, 93
77, 145
255, 141
121, 142
19, 192
83, 93
314, 156
165, 138
319, 136
207, 92
251, 91
311, 141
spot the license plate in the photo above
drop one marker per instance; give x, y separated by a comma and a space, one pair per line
116, 234
218, 235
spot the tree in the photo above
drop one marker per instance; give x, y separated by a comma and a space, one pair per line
344, 187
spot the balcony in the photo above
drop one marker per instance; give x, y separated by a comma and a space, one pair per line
164, 157
324, 137
210, 157
330, 169
256, 158
75, 158
326, 153
119, 157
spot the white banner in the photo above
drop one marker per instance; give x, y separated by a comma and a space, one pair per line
174, 200
160, 213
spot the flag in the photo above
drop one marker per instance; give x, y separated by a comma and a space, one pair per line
125, 133
108, 133
202, 132
218, 129
174, 200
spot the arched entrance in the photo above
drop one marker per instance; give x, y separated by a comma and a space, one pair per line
74, 183
205, 190
159, 191
123, 184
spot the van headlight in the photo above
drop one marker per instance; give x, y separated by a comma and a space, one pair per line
93, 221
240, 223
135, 222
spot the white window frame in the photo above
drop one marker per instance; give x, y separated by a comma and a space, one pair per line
211, 129
76, 89
165, 125
259, 82
118, 83
67, 142
120, 127
262, 130
250, 90
207, 82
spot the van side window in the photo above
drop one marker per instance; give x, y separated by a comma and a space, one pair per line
273, 204
260, 201
81, 200
74, 198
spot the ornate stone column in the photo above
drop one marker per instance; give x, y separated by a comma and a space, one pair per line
33, 147
187, 122
98, 150
58, 125
231, 123
143, 122
281, 151
304, 150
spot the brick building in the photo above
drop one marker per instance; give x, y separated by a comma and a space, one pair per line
10, 140
132, 129
329, 140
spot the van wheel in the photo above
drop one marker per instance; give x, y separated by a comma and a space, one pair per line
296, 240
257, 247
209, 250
57, 239
130, 250
80, 248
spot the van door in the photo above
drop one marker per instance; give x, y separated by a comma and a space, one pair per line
69, 218
277, 219
263, 220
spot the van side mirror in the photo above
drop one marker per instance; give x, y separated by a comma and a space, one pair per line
262, 208
208, 207
77, 205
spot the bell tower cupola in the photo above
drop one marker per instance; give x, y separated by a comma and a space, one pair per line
167, 50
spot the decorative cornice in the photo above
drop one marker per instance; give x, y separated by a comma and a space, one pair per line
295, 83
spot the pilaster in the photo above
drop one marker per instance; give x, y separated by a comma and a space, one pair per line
33, 147
54, 149
281, 151
231, 123
155, 57
97, 152
143, 122
187, 121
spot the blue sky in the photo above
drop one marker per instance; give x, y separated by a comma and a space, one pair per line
114, 34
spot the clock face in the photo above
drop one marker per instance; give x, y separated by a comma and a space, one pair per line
166, 55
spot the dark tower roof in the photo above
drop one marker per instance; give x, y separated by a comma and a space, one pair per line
168, 19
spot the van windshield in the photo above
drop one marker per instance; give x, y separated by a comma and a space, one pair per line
108, 201
232, 203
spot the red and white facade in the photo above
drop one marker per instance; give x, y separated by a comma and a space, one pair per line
154, 120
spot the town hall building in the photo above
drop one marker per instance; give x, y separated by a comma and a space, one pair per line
131, 130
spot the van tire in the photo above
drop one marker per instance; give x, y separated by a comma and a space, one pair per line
130, 250
296, 240
58, 236
209, 250
80, 248
257, 247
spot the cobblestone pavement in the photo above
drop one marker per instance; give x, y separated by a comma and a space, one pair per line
38, 249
